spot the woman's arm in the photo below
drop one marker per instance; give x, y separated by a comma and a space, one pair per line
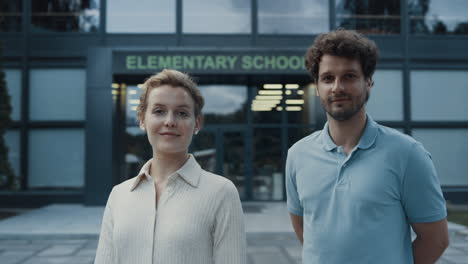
229, 243
105, 250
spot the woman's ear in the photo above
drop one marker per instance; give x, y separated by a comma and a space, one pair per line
142, 126
198, 124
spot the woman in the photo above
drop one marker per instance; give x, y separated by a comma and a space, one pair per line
173, 211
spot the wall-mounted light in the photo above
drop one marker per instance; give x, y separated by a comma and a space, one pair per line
293, 108
268, 97
294, 101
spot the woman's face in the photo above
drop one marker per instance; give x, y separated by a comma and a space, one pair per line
170, 120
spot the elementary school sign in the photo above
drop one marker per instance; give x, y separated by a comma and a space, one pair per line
210, 62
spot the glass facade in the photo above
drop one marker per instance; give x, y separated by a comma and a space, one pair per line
65, 16
146, 16
247, 128
293, 17
57, 94
448, 151
369, 16
439, 95
10, 15
56, 158
204, 16
438, 17
386, 96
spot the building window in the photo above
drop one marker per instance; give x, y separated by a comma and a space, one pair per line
57, 94
386, 96
65, 16
439, 95
369, 17
56, 158
293, 17
13, 82
145, 16
438, 17
10, 15
216, 16
448, 151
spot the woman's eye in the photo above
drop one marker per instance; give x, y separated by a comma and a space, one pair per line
158, 111
183, 114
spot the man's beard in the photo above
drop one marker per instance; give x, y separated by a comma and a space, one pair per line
345, 114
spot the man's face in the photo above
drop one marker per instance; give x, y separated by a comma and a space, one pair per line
342, 87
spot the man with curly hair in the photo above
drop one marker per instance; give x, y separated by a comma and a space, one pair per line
356, 188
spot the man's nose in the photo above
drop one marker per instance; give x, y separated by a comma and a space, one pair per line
338, 85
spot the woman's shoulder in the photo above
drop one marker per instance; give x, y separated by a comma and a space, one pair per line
215, 182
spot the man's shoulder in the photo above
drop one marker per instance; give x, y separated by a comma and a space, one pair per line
393, 137
307, 142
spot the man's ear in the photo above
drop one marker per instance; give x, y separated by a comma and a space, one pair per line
369, 83
316, 89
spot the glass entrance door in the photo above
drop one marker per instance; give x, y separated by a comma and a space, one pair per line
222, 151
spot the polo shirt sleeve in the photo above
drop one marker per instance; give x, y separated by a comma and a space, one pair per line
293, 202
422, 196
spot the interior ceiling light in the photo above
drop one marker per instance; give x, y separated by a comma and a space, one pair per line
293, 108
288, 92
132, 92
115, 86
272, 86
279, 108
295, 101
134, 101
134, 108
292, 86
140, 86
300, 92
268, 97
263, 92
267, 101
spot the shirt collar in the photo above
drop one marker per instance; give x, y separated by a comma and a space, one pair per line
189, 172
366, 141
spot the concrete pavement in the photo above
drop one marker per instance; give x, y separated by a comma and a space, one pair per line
68, 234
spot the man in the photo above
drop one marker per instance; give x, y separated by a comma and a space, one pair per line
355, 187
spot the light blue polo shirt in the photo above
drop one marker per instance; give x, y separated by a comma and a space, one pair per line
358, 208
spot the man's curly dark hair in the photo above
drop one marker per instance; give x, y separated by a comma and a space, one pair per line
342, 43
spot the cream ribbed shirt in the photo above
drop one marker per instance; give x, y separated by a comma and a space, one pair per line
198, 220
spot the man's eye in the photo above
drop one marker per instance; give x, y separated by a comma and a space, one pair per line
327, 78
350, 76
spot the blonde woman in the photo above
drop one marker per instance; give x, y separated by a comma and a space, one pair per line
173, 211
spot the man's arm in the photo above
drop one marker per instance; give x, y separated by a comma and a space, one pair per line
298, 225
431, 241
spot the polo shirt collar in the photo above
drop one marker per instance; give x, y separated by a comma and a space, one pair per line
189, 172
366, 141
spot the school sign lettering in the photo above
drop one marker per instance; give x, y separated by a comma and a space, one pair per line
211, 63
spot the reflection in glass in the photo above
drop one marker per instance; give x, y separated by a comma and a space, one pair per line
143, 16
438, 16
57, 94
293, 17
203, 148
448, 151
234, 160
10, 15
12, 141
369, 16
268, 177
13, 82
65, 16
224, 103
56, 158
205, 16
386, 96
296, 134
439, 95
